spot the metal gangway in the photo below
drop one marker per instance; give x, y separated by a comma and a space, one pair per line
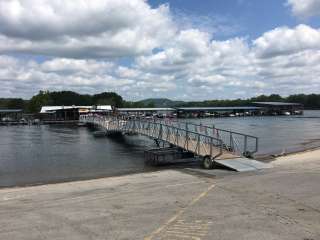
208, 142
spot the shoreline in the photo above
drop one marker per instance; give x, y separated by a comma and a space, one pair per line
77, 181
80, 179
297, 157
279, 203
273, 160
273, 156
311, 149
128, 173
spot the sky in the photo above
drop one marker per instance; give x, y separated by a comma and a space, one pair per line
177, 49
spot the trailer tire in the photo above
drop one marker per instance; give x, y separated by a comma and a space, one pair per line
247, 154
207, 162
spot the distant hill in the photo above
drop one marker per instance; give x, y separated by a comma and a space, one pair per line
160, 102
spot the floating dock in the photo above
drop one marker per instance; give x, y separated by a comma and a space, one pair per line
167, 155
214, 146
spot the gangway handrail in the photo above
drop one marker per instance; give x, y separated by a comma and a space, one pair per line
193, 141
245, 151
199, 125
185, 130
220, 145
232, 141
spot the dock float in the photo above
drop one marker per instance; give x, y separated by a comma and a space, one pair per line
212, 145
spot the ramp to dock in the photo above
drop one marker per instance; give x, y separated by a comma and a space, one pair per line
226, 148
243, 164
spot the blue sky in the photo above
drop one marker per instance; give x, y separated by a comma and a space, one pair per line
253, 16
179, 49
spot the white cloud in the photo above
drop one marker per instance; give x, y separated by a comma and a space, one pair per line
182, 50
26, 77
164, 59
284, 40
304, 8
282, 60
191, 67
82, 29
126, 72
64, 65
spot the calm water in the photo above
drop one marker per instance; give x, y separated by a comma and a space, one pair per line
33, 155
276, 134
41, 154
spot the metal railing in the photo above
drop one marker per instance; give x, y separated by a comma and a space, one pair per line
238, 143
197, 143
197, 138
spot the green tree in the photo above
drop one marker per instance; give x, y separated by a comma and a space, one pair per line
16, 103
43, 98
108, 98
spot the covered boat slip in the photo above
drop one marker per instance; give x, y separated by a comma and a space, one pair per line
189, 112
255, 109
280, 108
67, 113
183, 112
10, 115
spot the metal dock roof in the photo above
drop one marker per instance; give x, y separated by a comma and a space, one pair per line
277, 104
144, 109
47, 109
10, 110
218, 108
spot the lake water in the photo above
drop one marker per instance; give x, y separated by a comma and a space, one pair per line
277, 134
42, 154
54, 153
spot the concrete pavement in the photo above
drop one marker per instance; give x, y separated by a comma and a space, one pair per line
278, 203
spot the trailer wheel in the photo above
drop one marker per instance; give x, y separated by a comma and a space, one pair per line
207, 163
247, 154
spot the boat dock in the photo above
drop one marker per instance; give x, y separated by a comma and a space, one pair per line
212, 145
58, 114
254, 109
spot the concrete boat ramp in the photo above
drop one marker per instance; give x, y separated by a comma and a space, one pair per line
282, 203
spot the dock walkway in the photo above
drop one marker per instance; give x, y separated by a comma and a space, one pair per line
207, 142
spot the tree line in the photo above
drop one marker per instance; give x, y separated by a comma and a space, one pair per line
68, 98
311, 101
